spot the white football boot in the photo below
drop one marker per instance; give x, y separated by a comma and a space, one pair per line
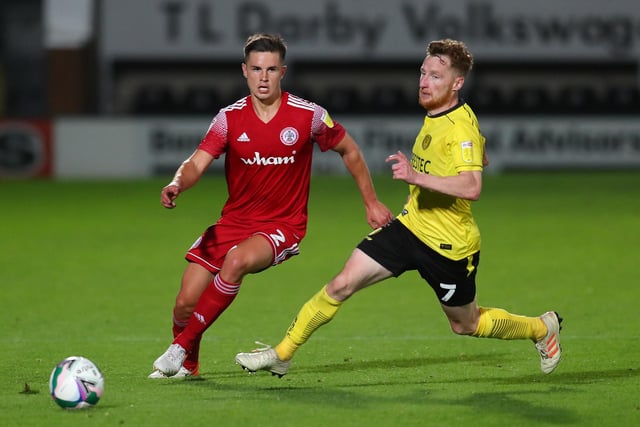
263, 359
170, 363
549, 347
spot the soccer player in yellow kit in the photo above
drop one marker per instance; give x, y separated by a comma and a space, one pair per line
435, 234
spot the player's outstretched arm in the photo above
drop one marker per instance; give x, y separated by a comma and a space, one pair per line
377, 213
187, 175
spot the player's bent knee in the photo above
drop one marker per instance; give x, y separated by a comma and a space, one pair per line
183, 308
234, 263
342, 290
339, 290
238, 264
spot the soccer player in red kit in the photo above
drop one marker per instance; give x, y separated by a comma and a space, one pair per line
267, 139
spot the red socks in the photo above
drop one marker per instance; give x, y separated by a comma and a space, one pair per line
191, 362
214, 300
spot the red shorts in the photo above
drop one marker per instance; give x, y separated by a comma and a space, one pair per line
210, 249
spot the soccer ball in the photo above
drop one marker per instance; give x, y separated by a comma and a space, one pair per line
76, 383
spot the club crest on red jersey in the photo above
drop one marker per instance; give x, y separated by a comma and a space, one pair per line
289, 136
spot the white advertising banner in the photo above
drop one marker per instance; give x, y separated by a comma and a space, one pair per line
140, 148
125, 148
562, 143
370, 29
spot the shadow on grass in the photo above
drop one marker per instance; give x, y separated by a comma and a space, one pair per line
559, 377
513, 404
349, 366
517, 396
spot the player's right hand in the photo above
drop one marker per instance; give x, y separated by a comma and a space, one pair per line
169, 195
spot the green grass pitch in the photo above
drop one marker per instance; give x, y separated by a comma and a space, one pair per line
91, 268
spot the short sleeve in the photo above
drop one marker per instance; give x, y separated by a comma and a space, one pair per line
467, 147
215, 140
324, 131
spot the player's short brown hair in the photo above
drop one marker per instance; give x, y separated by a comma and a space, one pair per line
262, 42
457, 51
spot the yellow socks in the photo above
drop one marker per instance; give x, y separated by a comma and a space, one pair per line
498, 323
320, 309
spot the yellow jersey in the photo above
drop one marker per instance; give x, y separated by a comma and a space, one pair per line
447, 144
